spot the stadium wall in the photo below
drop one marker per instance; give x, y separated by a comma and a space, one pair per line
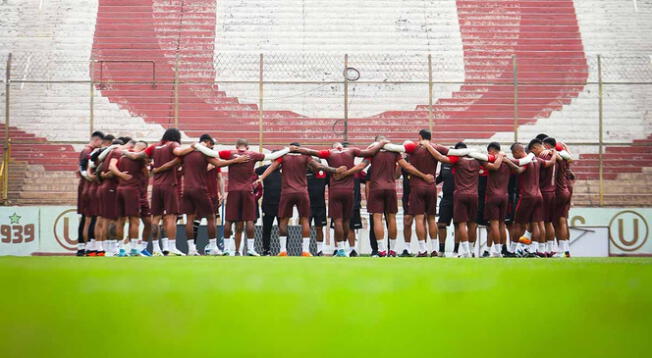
50, 230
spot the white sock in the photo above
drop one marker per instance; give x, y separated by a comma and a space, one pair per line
564, 245
464, 247
382, 245
283, 240
165, 244
392, 244
212, 243
520, 246
305, 245
92, 245
499, 248
435, 244
320, 246
228, 243
81, 246
511, 247
250, 244
407, 246
341, 245
156, 245
134, 244
100, 246
191, 246
422, 246
534, 246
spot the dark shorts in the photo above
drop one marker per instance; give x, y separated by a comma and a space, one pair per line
240, 206
128, 202
109, 203
93, 202
529, 209
355, 222
318, 216
290, 200
423, 200
548, 206
165, 200
465, 208
445, 212
382, 201
495, 208
340, 204
196, 201
562, 204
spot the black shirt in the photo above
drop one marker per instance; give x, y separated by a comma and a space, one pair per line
446, 176
317, 189
271, 189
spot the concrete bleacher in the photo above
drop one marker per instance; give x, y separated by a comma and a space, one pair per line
472, 43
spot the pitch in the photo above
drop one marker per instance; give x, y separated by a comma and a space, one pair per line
319, 307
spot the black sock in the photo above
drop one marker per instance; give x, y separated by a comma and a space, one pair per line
457, 246
442, 247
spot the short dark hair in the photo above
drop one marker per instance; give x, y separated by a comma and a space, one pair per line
142, 141
125, 139
541, 136
171, 135
425, 134
241, 141
494, 145
534, 142
460, 145
296, 144
511, 147
108, 138
97, 134
550, 140
206, 138
118, 141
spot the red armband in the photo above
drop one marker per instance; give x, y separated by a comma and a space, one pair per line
324, 154
492, 158
279, 160
149, 150
410, 147
454, 159
559, 147
225, 154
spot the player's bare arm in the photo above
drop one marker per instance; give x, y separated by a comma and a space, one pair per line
113, 168
180, 151
429, 178
167, 166
495, 165
273, 167
373, 149
223, 163
518, 169
304, 150
352, 171
316, 166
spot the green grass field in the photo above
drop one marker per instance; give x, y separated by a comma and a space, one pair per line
318, 307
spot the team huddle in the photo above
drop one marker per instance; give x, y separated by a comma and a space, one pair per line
524, 197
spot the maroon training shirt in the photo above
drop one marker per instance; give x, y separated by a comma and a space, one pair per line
162, 153
498, 181
293, 173
336, 159
466, 176
547, 176
528, 181
241, 174
421, 159
383, 174
194, 171
133, 168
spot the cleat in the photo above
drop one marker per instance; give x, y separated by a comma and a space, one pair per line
434, 254
166, 252
495, 254
109, 254
422, 254
553, 254
81, 252
253, 253
524, 240
341, 253
122, 253
509, 254
176, 252
91, 253
374, 254
391, 253
405, 253
306, 254
145, 253
134, 252
567, 254
228, 253
334, 253
319, 254
157, 253
541, 254
266, 253
193, 253
382, 253
485, 253
100, 253
283, 253
237, 253
353, 253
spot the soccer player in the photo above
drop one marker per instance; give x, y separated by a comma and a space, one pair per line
143, 202
530, 205
341, 192
382, 199
317, 193
271, 197
196, 200
82, 191
445, 219
562, 194
241, 201
423, 194
109, 222
294, 192
408, 219
165, 194
496, 199
480, 220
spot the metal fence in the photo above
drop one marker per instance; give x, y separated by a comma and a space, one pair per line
347, 94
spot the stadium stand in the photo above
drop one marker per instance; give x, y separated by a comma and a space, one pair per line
555, 44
